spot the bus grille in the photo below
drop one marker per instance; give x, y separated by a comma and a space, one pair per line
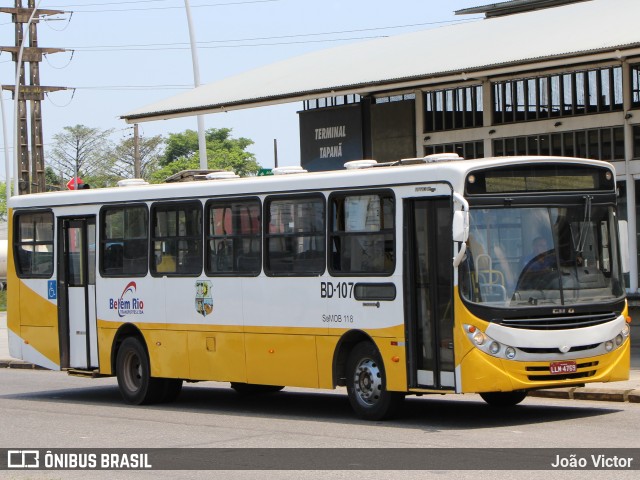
559, 323
591, 368
579, 348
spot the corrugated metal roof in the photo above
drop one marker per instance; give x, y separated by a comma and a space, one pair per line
514, 6
581, 28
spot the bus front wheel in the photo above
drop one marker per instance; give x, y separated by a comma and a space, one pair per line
367, 384
503, 399
133, 370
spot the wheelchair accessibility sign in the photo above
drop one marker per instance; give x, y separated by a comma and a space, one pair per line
52, 290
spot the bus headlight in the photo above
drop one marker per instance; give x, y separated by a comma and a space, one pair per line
488, 345
479, 338
609, 345
625, 331
619, 339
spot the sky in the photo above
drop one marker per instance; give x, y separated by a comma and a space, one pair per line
123, 55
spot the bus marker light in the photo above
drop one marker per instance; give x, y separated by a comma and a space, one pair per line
628, 319
395, 359
394, 344
271, 350
26, 342
158, 344
471, 329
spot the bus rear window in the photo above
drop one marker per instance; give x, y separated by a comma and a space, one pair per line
34, 245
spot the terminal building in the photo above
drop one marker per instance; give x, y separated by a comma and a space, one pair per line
533, 77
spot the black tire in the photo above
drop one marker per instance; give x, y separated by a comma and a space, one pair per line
367, 384
503, 399
253, 389
133, 370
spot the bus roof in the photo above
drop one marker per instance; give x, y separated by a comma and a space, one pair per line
453, 172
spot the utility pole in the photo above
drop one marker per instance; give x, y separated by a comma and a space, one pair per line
275, 153
202, 142
136, 152
31, 169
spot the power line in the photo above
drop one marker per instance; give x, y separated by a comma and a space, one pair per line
203, 44
164, 49
181, 7
137, 87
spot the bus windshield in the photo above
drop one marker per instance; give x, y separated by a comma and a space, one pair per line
531, 256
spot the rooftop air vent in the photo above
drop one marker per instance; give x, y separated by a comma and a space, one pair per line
132, 182
442, 157
288, 170
221, 175
359, 164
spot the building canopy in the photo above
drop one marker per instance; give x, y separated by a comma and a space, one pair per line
583, 31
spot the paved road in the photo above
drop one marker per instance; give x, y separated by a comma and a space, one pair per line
43, 409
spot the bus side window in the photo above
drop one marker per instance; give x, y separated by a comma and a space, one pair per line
362, 233
124, 236
233, 243
113, 258
34, 244
177, 238
295, 240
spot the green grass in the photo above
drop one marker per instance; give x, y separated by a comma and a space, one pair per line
3, 301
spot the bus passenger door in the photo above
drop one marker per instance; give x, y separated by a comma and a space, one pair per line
428, 279
77, 293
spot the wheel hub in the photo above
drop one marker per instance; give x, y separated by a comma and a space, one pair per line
133, 371
368, 381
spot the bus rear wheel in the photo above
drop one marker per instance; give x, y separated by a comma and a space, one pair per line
367, 384
503, 399
135, 382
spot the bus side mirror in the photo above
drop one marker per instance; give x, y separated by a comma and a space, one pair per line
623, 235
460, 230
460, 226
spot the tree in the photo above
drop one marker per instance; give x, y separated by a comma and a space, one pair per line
122, 157
80, 147
53, 180
223, 153
3, 201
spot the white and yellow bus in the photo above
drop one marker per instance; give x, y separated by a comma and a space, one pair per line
436, 275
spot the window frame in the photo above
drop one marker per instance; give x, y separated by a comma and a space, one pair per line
167, 206
17, 243
223, 202
103, 240
331, 233
586, 91
266, 214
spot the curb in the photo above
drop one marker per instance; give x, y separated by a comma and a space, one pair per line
585, 393
11, 363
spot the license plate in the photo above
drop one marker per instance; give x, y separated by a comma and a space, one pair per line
558, 368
